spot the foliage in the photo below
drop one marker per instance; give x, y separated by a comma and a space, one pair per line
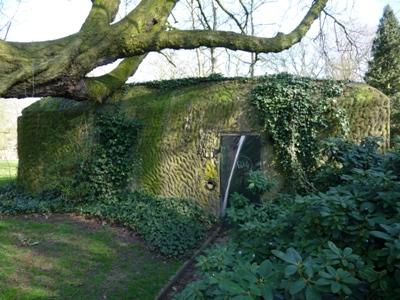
258, 183
341, 157
13, 201
113, 159
229, 273
342, 242
171, 226
182, 82
295, 112
384, 68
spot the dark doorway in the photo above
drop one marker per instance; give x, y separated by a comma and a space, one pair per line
249, 158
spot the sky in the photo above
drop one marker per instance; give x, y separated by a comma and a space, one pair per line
34, 20
49, 19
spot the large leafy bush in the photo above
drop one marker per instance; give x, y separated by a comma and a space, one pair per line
342, 242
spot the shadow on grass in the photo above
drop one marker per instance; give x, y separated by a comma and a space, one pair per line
8, 171
62, 258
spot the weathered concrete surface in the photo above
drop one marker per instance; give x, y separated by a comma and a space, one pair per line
179, 144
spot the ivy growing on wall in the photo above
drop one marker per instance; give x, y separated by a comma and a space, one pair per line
296, 113
107, 170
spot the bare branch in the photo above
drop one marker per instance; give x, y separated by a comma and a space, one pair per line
239, 25
169, 60
203, 18
343, 28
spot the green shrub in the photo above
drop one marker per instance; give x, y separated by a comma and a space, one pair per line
258, 183
231, 274
14, 201
342, 157
342, 242
171, 226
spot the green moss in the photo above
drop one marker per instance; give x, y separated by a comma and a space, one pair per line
211, 171
368, 111
56, 104
173, 121
180, 137
50, 145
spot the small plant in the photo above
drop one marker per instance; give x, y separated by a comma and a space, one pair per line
258, 183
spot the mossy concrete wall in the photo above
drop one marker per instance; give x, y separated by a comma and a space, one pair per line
179, 144
53, 138
180, 140
368, 111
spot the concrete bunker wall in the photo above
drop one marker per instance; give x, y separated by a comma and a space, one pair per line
179, 146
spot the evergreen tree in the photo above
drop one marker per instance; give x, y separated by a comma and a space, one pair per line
384, 68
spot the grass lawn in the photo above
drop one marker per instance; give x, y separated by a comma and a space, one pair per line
8, 171
67, 257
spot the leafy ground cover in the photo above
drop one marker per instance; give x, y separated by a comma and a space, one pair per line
173, 227
8, 171
67, 257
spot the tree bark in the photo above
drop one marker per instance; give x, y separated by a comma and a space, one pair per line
59, 67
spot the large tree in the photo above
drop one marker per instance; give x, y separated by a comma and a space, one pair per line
384, 68
59, 67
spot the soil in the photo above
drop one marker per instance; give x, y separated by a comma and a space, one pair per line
191, 272
189, 275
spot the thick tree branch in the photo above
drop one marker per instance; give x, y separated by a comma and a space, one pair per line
58, 68
103, 12
191, 39
100, 88
148, 15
